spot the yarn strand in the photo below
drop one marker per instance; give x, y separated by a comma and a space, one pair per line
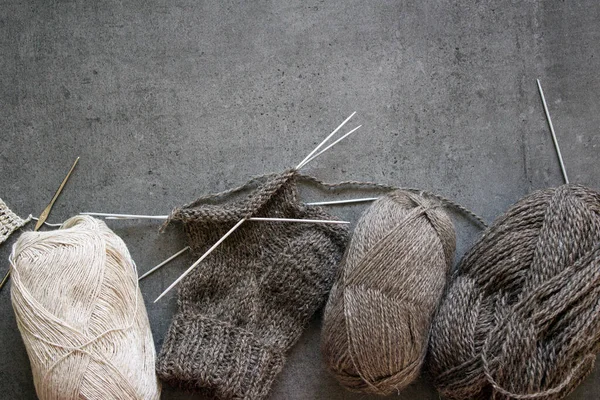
389, 188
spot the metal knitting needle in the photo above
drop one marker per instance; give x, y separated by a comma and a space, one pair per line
180, 252
159, 217
307, 159
225, 236
560, 159
44, 215
125, 216
255, 219
310, 221
164, 217
214, 246
334, 202
328, 147
324, 141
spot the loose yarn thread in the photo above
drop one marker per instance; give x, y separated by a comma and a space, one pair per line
81, 314
256, 181
521, 317
377, 320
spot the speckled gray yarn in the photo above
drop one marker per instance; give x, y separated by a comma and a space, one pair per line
244, 307
521, 317
377, 320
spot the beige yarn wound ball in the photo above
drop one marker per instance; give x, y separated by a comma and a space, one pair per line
377, 320
81, 314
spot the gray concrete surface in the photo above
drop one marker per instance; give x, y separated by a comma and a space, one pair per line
168, 100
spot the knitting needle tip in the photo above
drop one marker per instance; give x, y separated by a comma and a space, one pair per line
334, 202
330, 146
46, 212
180, 252
303, 162
554, 139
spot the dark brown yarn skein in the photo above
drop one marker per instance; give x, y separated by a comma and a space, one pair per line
377, 320
521, 317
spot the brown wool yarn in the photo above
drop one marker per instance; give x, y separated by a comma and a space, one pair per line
377, 320
521, 316
249, 301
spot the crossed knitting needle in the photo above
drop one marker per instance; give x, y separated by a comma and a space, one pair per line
316, 152
185, 249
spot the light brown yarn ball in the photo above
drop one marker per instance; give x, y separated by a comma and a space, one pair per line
377, 320
81, 314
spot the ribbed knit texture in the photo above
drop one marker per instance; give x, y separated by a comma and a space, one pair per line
248, 302
9, 221
521, 316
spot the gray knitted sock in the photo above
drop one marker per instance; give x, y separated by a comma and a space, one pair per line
249, 300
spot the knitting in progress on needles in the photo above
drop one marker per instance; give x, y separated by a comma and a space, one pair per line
316, 152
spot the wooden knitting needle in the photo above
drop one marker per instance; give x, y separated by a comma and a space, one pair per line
44, 215
560, 159
46, 212
5, 279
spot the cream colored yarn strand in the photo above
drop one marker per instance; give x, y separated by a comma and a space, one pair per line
81, 315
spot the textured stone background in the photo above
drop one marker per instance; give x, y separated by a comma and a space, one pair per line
168, 100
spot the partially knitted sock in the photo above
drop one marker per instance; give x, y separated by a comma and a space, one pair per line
248, 302
9, 221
